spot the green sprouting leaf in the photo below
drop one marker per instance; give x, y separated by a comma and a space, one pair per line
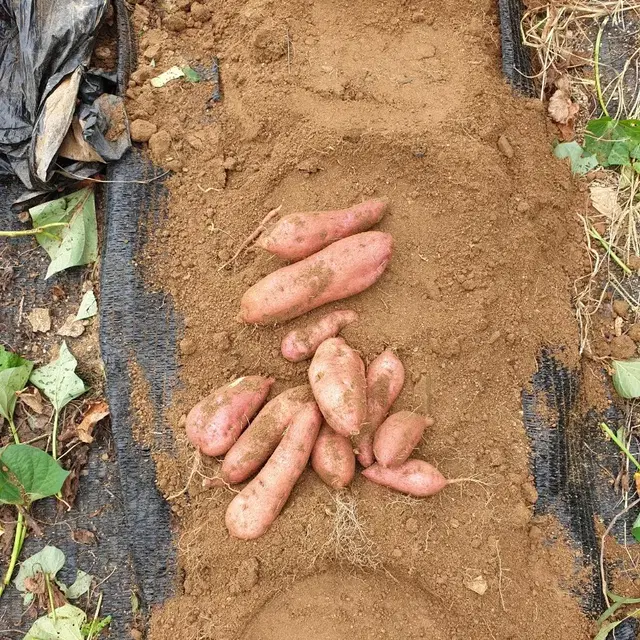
626, 378
613, 142
635, 530
77, 242
49, 560
14, 374
580, 163
95, 627
33, 473
66, 625
190, 74
88, 306
58, 381
81, 585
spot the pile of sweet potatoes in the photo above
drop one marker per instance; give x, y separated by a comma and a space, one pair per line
342, 415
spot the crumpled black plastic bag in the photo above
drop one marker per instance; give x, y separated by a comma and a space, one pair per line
45, 48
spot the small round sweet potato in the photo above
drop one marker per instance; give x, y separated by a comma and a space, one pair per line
216, 422
333, 459
301, 344
339, 386
255, 508
385, 379
299, 235
414, 477
398, 436
339, 271
260, 439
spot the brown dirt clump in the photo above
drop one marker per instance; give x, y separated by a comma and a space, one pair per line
326, 104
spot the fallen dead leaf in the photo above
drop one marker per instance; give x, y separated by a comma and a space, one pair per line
561, 108
477, 585
72, 328
37, 585
58, 292
32, 398
605, 201
84, 536
40, 319
95, 412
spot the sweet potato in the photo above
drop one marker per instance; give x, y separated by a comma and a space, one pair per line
414, 477
261, 438
343, 269
301, 344
299, 235
215, 423
385, 379
339, 386
398, 436
255, 508
333, 459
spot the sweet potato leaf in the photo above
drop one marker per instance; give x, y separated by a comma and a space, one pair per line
626, 378
48, 560
77, 242
66, 624
88, 306
613, 142
14, 374
58, 381
580, 163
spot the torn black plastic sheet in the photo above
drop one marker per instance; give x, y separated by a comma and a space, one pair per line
44, 52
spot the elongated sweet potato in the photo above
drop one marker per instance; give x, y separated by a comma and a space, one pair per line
215, 423
255, 508
333, 459
260, 439
385, 379
398, 436
299, 235
339, 386
343, 269
414, 477
301, 344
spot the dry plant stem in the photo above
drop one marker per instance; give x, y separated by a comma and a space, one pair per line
603, 577
95, 617
610, 251
261, 227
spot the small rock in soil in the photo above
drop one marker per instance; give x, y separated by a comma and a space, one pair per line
40, 319
411, 525
142, 130
634, 262
83, 536
433, 291
397, 553
72, 328
621, 308
174, 23
477, 585
160, 143
529, 493
247, 576
151, 53
103, 53
221, 341
622, 347
187, 347
141, 75
634, 332
505, 146
200, 12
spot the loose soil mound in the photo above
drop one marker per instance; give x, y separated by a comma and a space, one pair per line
327, 103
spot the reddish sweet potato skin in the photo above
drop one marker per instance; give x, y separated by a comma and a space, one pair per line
301, 344
300, 235
414, 477
398, 436
216, 422
343, 269
253, 510
262, 436
337, 378
333, 459
385, 379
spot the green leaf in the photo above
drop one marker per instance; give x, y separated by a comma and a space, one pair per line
579, 164
613, 142
95, 627
604, 630
14, 374
67, 625
619, 154
81, 585
635, 531
34, 473
77, 242
626, 378
57, 379
88, 306
190, 74
49, 560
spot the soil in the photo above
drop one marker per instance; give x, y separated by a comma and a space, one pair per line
327, 103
